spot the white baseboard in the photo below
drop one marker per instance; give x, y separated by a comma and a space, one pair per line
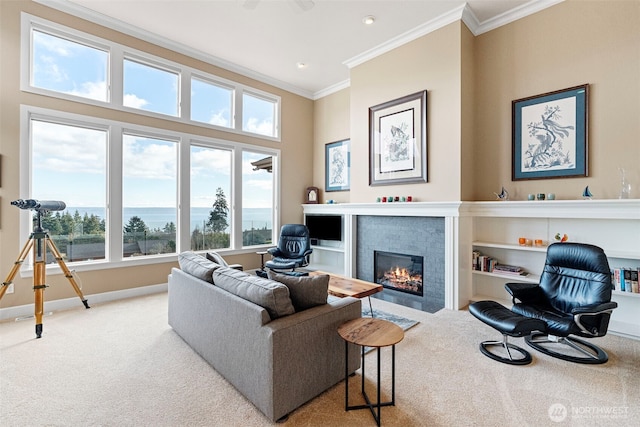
65, 304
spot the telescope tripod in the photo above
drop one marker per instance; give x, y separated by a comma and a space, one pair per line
39, 240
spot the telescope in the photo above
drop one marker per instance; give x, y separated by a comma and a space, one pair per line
40, 205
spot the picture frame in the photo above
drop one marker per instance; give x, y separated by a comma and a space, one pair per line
550, 135
398, 141
337, 168
312, 195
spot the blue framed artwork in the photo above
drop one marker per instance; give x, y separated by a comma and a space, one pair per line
550, 135
337, 165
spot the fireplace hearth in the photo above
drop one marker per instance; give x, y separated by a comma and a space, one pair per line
400, 272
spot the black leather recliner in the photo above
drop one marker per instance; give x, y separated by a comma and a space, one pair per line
572, 298
293, 250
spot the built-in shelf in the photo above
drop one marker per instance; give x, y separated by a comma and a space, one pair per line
493, 228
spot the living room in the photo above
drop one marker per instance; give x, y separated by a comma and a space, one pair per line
470, 80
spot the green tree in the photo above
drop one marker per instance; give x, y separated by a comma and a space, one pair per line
135, 225
218, 216
169, 227
92, 224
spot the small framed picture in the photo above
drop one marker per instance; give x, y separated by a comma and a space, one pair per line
550, 135
337, 161
312, 195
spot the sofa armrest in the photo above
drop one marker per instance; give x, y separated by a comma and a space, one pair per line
308, 353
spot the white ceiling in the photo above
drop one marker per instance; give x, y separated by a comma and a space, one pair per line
265, 39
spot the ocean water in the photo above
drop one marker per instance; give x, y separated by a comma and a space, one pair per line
158, 217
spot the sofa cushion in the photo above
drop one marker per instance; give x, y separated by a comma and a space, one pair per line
197, 265
273, 296
215, 257
305, 291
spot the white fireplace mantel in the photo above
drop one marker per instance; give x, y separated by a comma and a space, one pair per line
461, 219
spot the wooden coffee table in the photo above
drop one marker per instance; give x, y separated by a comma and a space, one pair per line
341, 287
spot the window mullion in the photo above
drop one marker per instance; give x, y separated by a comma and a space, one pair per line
184, 196
114, 195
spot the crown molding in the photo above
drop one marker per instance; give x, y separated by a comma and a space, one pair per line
130, 30
526, 9
421, 30
332, 89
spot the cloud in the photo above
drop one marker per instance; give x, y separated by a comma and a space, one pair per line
208, 161
68, 149
92, 90
264, 127
131, 100
149, 158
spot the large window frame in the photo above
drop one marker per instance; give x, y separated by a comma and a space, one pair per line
117, 54
114, 218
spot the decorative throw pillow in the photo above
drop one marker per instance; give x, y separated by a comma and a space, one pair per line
197, 265
305, 291
215, 257
273, 296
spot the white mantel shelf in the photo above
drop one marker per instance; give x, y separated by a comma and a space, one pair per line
610, 209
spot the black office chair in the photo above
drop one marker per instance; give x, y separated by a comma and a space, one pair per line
293, 250
572, 298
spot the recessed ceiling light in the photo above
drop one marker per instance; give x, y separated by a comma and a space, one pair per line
369, 20
301, 65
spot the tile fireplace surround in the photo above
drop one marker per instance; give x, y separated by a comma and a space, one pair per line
495, 226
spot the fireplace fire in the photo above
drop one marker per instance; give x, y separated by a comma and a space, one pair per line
400, 272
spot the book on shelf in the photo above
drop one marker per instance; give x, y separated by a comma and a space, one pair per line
625, 279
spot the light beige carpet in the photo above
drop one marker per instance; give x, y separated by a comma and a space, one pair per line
120, 364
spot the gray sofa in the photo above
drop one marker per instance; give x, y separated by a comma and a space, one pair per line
278, 364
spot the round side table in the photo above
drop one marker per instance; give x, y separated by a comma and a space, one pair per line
370, 332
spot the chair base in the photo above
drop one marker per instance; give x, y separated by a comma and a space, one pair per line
592, 354
507, 346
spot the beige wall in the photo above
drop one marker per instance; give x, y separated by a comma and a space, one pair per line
296, 152
429, 63
572, 43
331, 115
471, 83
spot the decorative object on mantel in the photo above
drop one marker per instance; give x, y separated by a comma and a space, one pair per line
398, 140
586, 194
550, 135
312, 195
503, 195
562, 238
551, 196
531, 196
391, 199
331, 202
625, 186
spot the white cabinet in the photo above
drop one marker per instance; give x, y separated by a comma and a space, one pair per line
328, 258
614, 225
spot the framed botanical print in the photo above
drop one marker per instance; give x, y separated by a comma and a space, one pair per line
550, 134
398, 141
337, 157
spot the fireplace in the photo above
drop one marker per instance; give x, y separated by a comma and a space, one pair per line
400, 272
419, 236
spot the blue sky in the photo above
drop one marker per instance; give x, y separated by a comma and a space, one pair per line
70, 162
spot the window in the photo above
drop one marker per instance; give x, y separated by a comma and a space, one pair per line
258, 114
211, 103
257, 198
69, 164
61, 62
69, 67
210, 198
150, 88
149, 195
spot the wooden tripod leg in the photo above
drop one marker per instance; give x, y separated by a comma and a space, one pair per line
66, 271
39, 269
16, 267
